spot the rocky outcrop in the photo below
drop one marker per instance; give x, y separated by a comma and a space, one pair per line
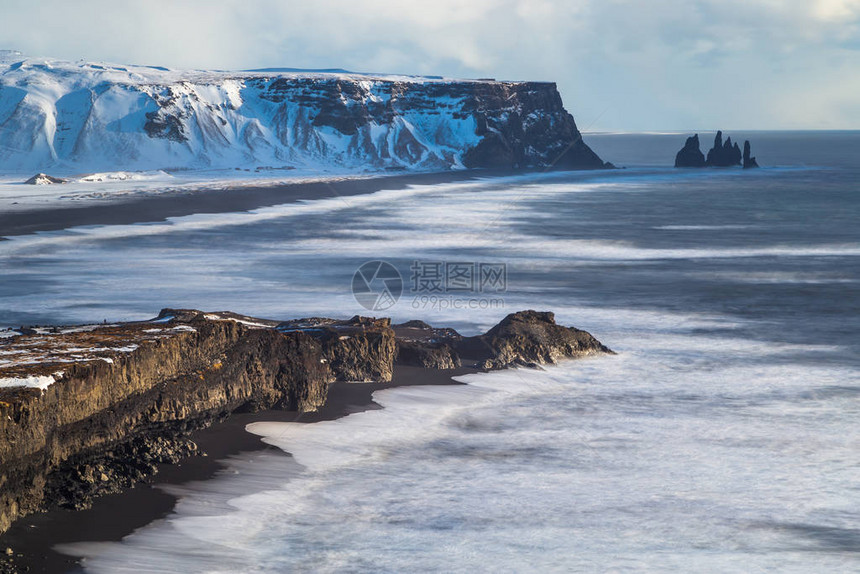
691, 154
722, 154
526, 338
420, 345
361, 349
88, 410
749, 161
529, 338
141, 382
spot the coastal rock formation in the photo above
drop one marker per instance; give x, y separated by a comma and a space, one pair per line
529, 338
420, 345
85, 117
691, 154
722, 154
361, 349
526, 338
749, 162
88, 410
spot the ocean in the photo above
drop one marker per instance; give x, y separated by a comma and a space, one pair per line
721, 437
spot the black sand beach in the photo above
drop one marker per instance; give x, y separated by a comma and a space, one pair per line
114, 516
159, 207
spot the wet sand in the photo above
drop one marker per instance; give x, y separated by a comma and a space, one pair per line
114, 516
159, 207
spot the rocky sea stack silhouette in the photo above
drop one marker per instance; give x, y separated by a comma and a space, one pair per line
691, 154
749, 161
722, 154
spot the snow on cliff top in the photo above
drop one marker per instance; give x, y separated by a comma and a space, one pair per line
15, 64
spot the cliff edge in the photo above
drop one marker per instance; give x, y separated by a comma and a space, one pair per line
78, 117
88, 410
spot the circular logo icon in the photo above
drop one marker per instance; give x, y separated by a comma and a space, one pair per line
377, 285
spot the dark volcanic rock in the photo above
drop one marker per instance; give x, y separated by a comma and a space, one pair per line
135, 391
749, 162
529, 338
175, 378
691, 154
88, 475
723, 154
525, 125
420, 345
361, 349
427, 355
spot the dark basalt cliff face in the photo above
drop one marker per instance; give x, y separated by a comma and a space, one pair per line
125, 397
526, 125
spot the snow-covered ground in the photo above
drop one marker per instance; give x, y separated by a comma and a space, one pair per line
119, 186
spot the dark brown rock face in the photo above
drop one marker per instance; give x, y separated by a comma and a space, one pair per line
427, 355
123, 398
193, 372
420, 345
529, 338
526, 338
361, 349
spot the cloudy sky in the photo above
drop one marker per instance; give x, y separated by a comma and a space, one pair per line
620, 64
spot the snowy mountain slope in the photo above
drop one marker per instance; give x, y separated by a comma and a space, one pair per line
68, 117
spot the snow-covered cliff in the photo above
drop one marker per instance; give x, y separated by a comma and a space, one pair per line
78, 117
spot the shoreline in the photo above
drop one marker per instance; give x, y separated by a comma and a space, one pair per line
114, 516
160, 207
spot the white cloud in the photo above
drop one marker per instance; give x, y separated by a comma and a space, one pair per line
658, 64
836, 10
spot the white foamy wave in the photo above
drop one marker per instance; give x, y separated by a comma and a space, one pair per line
700, 227
530, 471
370, 434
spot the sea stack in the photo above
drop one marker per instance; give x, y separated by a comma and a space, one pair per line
722, 154
691, 154
749, 161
